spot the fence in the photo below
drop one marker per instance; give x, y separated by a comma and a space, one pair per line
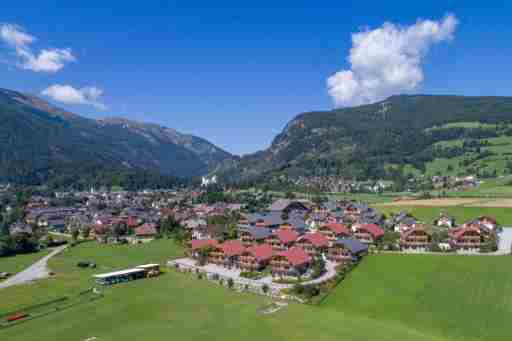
46, 308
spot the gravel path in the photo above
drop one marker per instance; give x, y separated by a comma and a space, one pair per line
36, 271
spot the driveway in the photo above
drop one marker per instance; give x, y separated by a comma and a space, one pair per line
36, 271
505, 243
235, 273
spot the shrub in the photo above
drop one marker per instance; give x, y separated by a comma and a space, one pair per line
231, 283
265, 288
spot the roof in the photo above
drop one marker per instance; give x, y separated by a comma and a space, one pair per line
373, 229
257, 232
282, 204
118, 273
232, 248
295, 255
338, 228
146, 230
317, 239
197, 244
286, 235
459, 232
410, 231
354, 245
261, 252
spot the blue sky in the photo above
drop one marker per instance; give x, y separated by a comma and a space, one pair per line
237, 74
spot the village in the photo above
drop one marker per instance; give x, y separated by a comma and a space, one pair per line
261, 238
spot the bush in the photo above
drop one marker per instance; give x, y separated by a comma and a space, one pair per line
231, 283
265, 288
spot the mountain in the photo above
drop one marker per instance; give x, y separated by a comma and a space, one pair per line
39, 140
371, 140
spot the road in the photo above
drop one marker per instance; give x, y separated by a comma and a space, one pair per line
36, 271
505, 243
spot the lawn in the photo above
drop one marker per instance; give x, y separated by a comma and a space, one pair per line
177, 306
462, 298
428, 214
15, 264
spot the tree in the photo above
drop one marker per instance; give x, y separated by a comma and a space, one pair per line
290, 195
74, 234
86, 232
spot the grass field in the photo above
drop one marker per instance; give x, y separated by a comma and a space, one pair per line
178, 306
15, 264
462, 298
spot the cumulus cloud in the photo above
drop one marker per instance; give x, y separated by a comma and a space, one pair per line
69, 95
47, 60
387, 60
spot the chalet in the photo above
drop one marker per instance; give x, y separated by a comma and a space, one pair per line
466, 238
253, 235
315, 244
292, 262
282, 239
145, 233
345, 250
256, 257
415, 238
367, 233
227, 254
195, 245
334, 231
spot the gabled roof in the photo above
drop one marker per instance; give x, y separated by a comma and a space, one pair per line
338, 228
257, 232
296, 256
353, 245
232, 248
262, 252
373, 229
410, 231
286, 235
145, 230
459, 232
197, 244
317, 239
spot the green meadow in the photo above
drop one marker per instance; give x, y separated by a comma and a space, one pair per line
388, 297
17, 263
457, 297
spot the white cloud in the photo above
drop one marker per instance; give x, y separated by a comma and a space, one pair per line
69, 95
387, 60
48, 60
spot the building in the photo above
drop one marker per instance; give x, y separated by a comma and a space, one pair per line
367, 233
416, 238
282, 239
256, 257
466, 238
253, 235
145, 233
227, 254
315, 244
346, 250
196, 245
292, 262
334, 231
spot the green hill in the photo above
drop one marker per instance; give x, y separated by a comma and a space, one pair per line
371, 141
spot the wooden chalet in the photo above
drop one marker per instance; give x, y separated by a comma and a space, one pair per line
415, 238
315, 244
334, 231
256, 257
346, 250
466, 238
367, 233
282, 239
292, 262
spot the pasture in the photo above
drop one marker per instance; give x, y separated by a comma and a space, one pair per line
177, 305
456, 297
15, 264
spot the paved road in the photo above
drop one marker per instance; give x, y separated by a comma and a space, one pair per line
36, 271
235, 273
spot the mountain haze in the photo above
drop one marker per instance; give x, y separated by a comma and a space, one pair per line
39, 139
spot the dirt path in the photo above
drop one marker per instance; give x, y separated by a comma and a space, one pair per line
36, 271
